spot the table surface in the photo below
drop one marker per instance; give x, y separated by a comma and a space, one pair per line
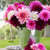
3, 49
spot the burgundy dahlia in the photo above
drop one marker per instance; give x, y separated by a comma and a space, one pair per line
31, 41
14, 21
36, 6
40, 24
48, 22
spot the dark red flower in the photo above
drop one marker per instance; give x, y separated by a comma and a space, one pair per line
36, 6
14, 21
31, 41
40, 24
48, 22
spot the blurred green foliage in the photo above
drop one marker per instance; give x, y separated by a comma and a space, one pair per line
6, 34
42, 1
46, 42
5, 43
1, 34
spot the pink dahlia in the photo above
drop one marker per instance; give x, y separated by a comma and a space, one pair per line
44, 15
48, 7
30, 24
41, 47
36, 6
10, 8
15, 4
22, 15
34, 47
18, 5
5, 16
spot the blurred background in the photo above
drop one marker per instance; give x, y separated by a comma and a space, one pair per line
9, 34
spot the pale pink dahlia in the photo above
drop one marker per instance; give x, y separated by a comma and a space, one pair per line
34, 46
22, 15
48, 7
30, 24
44, 15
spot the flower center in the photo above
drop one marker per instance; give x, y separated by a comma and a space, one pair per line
45, 15
40, 47
23, 15
31, 24
40, 23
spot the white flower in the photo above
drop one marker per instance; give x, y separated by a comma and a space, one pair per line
34, 15
10, 14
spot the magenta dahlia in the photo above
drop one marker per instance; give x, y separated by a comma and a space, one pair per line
40, 24
44, 15
18, 5
41, 47
10, 8
36, 6
30, 24
15, 4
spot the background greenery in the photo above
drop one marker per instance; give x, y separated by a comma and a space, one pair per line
44, 40
5, 32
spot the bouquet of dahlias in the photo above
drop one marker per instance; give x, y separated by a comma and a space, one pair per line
34, 16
